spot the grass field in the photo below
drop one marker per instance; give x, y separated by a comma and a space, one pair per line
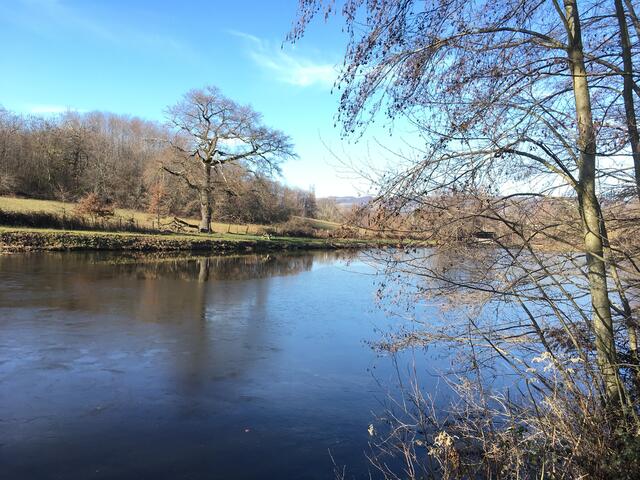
142, 219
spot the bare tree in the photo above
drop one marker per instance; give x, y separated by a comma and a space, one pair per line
628, 86
212, 131
519, 94
491, 88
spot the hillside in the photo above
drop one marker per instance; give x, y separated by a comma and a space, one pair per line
348, 202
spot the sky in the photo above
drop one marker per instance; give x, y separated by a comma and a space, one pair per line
137, 57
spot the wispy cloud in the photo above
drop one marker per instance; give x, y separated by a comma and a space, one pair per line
287, 67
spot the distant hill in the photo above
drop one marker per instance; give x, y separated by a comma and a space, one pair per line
347, 202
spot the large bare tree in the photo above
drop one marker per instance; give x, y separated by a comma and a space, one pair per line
212, 131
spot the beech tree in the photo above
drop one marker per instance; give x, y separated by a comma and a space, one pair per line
211, 131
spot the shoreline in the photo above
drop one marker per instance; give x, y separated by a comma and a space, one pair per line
18, 239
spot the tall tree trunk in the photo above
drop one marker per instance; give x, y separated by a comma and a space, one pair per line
627, 91
629, 320
205, 199
634, 17
590, 211
634, 139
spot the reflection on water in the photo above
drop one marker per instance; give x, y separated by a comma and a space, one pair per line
199, 367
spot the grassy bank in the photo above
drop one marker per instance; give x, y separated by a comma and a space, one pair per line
35, 225
34, 239
64, 215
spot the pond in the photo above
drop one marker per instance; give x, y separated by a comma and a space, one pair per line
257, 366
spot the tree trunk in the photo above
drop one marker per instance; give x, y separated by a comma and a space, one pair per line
203, 270
627, 91
632, 331
634, 17
588, 203
205, 200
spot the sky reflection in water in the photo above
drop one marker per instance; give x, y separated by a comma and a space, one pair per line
245, 367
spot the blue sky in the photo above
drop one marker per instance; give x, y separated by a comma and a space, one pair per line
138, 56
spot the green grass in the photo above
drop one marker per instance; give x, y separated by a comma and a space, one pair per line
231, 237
26, 205
15, 239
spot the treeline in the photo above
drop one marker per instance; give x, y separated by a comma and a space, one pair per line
119, 159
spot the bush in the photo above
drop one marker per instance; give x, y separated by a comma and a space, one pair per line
94, 206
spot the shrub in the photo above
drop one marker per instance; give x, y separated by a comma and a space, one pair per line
94, 206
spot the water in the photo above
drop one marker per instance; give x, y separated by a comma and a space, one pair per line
187, 368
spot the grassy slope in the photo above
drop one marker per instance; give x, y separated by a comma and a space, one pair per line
226, 237
327, 225
26, 205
